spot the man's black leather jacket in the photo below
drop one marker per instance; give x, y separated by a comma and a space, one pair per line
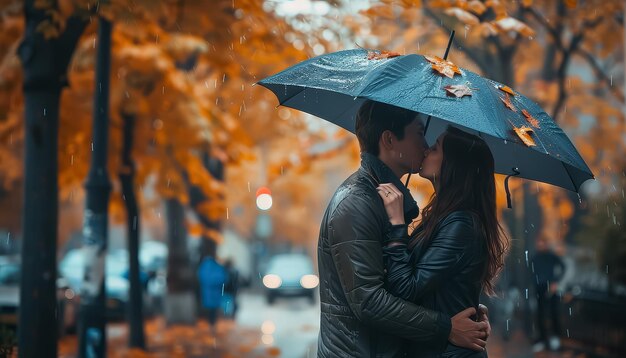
359, 317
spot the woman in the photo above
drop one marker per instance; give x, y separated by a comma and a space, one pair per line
458, 248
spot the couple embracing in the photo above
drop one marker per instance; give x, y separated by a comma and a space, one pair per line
387, 291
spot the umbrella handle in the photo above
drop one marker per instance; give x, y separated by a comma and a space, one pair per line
506, 186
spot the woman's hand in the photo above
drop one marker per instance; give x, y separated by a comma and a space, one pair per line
392, 197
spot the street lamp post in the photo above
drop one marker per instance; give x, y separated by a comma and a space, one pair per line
92, 327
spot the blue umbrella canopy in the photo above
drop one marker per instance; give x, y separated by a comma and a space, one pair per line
524, 140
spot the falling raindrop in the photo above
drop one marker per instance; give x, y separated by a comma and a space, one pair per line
570, 311
611, 80
505, 141
526, 293
568, 333
507, 325
526, 254
44, 112
92, 146
168, 182
227, 214
223, 78
248, 187
206, 84
72, 159
607, 269
580, 200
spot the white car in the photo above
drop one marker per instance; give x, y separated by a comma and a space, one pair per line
290, 275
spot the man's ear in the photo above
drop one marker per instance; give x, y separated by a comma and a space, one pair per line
386, 140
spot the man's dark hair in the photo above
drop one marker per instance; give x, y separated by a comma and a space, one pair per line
373, 118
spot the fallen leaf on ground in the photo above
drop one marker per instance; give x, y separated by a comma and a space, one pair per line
458, 90
530, 119
444, 67
524, 133
507, 102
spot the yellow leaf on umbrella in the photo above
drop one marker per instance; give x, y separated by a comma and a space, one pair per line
530, 119
524, 133
379, 55
507, 102
442, 66
507, 89
458, 90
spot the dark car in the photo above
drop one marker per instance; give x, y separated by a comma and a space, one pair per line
290, 275
10, 269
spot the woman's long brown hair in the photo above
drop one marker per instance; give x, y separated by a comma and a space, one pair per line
467, 183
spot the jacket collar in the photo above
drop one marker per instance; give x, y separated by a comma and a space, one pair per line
381, 173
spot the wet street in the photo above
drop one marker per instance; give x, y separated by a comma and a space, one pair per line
290, 324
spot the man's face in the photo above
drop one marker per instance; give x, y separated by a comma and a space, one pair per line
410, 150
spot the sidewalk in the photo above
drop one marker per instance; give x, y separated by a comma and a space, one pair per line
234, 341
181, 341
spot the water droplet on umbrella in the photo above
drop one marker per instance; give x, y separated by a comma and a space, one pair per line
567, 333
505, 141
580, 200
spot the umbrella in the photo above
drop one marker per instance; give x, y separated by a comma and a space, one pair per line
524, 140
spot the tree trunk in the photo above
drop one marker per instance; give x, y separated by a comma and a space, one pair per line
127, 176
92, 325
180, 303
45, 63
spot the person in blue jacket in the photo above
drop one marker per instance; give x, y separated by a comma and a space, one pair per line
212, 277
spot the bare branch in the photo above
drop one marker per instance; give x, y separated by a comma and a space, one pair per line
615, 90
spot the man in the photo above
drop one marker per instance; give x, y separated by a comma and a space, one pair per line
548, 269
359, 318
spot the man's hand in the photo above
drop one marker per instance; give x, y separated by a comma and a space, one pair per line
466, 333
483, 316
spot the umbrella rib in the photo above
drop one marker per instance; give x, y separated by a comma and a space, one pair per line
292, 96
569, 176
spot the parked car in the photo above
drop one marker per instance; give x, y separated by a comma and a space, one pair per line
10, 270
116, 276
290, 275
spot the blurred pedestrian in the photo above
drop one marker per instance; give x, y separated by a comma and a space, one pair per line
230, 290
212, 277
548, 269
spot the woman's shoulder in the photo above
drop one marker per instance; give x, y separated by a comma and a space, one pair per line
459, 223
460, 217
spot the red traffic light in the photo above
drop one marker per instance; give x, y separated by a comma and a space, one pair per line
263, 190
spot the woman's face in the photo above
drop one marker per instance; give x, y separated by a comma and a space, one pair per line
433, 158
